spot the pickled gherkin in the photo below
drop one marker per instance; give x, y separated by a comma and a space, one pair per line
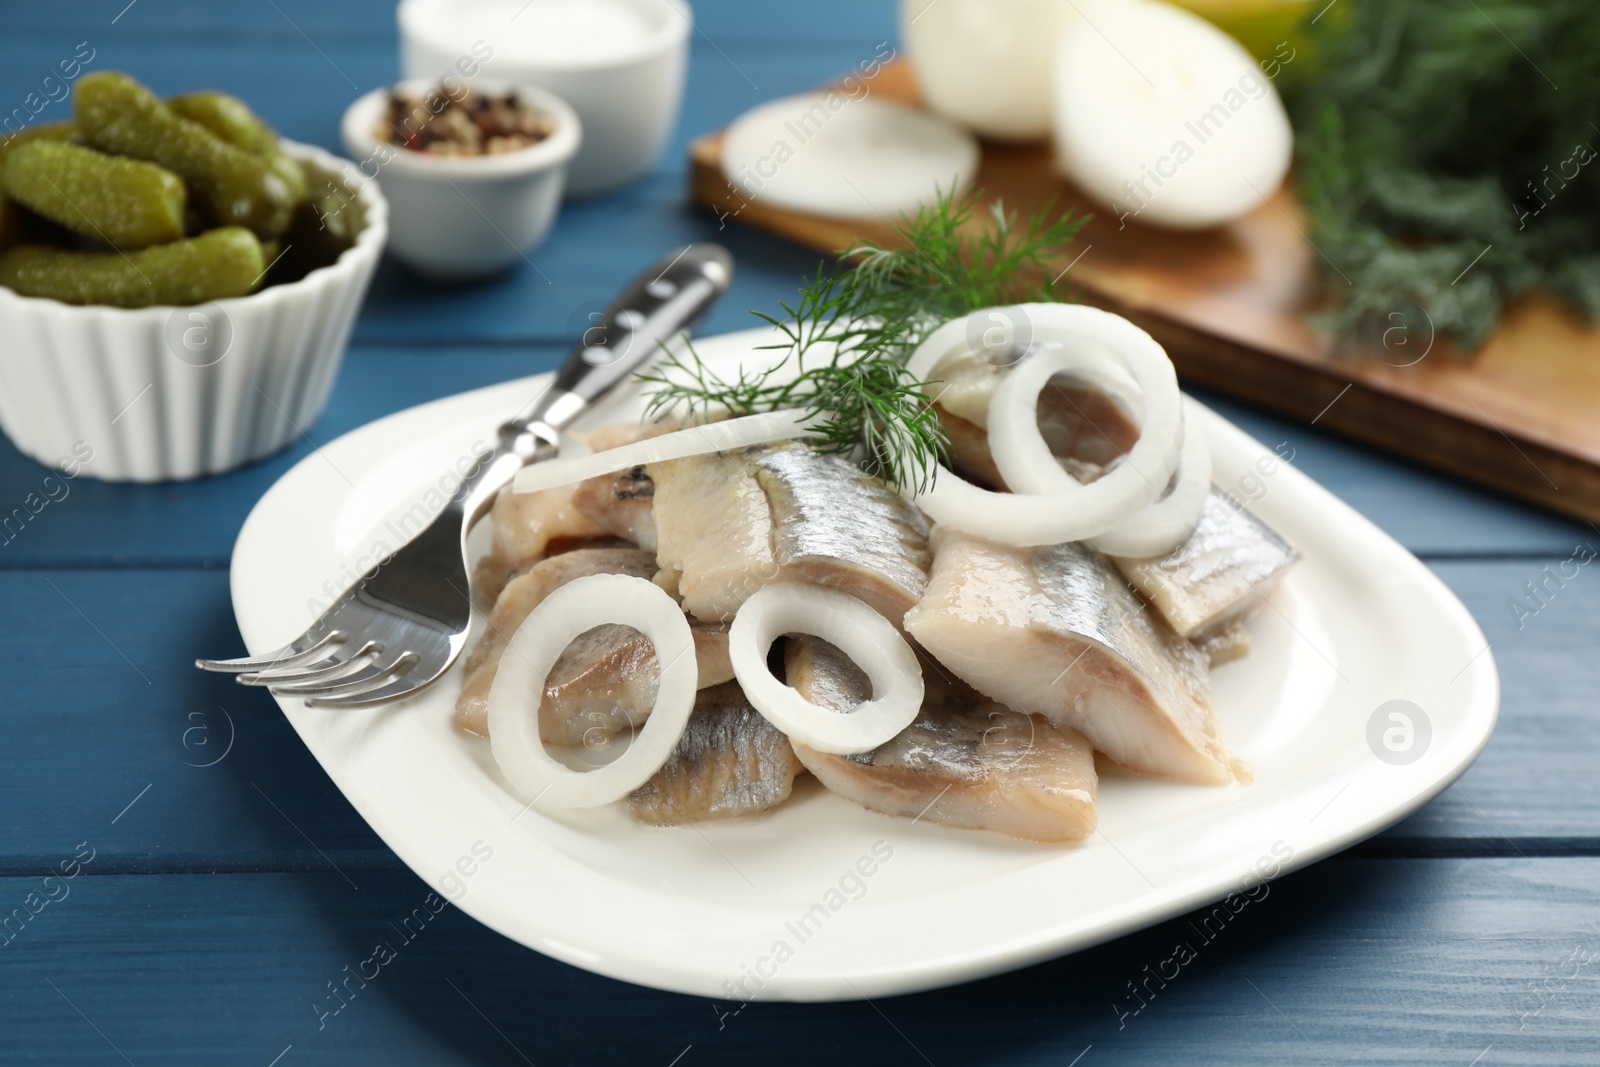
45, 131
125, 202
228, 117
118, 115
232, 120
219, 263
18, 225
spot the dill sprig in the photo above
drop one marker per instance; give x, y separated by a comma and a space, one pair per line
1443, 169
847, 338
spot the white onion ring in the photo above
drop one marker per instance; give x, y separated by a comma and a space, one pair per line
870, 640
579, 606
1070, 512
679, 444
951, 340
1020, 453
1171, 520
948, 340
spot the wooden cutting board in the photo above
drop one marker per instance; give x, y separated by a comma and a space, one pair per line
1523, 415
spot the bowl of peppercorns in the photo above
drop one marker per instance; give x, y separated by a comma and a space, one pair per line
473, 172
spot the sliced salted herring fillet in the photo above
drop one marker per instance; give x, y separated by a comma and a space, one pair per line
828, 153
528, 526
729, 762
969, 450
965, 761
963, 385
1087, 428
1221, 573
728, 524
1229, 642
525, 527
620, 504
713, 532
516, 602
604, 683
835, 525
581, 605
602, 686
1056, 631
1166, 119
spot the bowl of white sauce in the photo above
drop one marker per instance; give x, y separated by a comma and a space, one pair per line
620, 64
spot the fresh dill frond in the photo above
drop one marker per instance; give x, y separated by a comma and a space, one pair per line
1448, 162
847, 338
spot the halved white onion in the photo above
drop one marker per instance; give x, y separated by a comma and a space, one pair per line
858, 631
679, 444
987, 64
1170, 520
828, 153
514, 698
1163, 117
1071, 512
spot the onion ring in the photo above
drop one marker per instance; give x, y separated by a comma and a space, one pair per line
869, 639
574, 608
1063, 509
948, 340
1019, 450
1170, 520
679, 444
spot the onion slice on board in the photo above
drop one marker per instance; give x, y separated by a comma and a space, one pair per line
679, 444
574, 608
1169, 521
828, 153
1164, 118
871, 642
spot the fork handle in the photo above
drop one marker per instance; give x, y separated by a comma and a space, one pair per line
667, 298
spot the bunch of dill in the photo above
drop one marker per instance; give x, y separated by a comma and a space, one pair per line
848, 337
1448, 160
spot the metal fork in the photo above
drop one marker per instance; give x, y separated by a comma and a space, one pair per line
402, 626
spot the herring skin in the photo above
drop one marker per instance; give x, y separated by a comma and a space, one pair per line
729, 762
965, 761
1219, 575
728, 523
1057, 631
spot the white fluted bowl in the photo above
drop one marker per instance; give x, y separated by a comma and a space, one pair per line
163, 393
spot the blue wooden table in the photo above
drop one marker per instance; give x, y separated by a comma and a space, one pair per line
221, 887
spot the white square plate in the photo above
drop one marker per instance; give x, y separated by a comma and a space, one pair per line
823, 900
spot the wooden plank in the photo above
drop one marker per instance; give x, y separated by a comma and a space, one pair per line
1351, 962
102, 701
106, 703
1537, 771
1523, 416
1354, 961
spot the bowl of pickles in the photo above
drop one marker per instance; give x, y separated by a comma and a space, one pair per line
177, 283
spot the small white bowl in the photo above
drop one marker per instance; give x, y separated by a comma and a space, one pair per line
626, 91
163, 393
462, 217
